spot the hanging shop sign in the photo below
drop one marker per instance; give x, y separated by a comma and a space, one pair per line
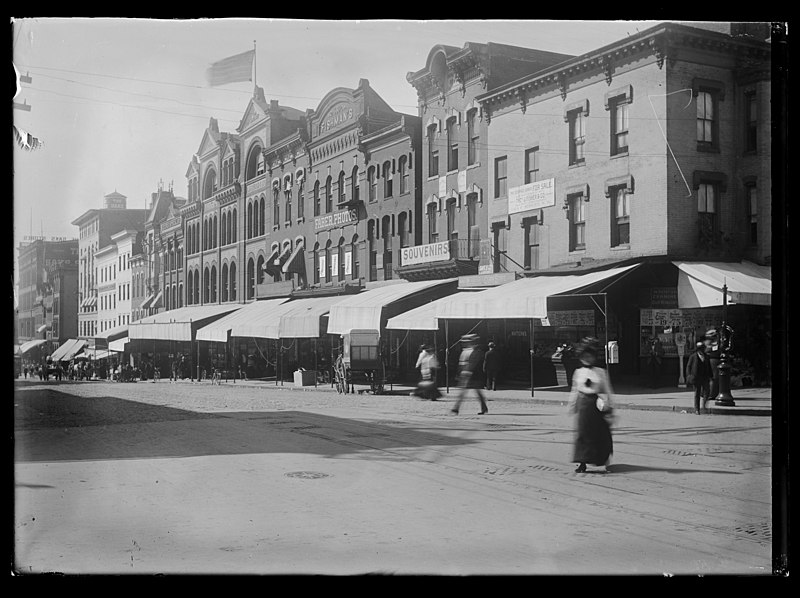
688, 319
422, 254
533, 196
335, 219
575, 317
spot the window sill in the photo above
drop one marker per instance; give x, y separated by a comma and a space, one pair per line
276, 226
433, 177
449, 172
621, 247
709, 149
470, 166
287, 224
578, 164
624, 154
301, 220
581, 250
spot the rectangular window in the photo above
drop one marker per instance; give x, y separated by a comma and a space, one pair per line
752, 213
472, 137
751, 122
619, 127
317, 206
500, 176
433, 152
452, 145
387, 180
404, 176
373, 184
620, 216
531, 165
577, 137
705, 118
452, 231
433, 234
707, 206
577, 223
531, 257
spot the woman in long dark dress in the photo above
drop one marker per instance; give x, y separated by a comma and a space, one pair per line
593, 443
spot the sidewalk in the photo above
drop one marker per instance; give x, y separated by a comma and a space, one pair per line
747, 401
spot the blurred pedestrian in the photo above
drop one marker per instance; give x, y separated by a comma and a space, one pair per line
469, 365
428, 366
713, 351
25, 371
491, 366
699, 374
593, 431
654, 360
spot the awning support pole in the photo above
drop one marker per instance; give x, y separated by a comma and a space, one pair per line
447, 353
531, 353
316, 365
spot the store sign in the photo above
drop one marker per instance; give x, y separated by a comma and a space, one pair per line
337, 116
422, 254
533, 196
340, 218
575, 317
664, 297
688, 319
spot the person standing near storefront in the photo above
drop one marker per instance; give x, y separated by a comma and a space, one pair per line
593, 442
713, 351
428, 366
698, 373
469, 364
491, 366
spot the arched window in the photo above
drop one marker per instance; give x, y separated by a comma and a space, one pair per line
174, 297
214, 233
233, 231
224, 282
250, 220
433, 233
276, 209
229, 228
197, 286
288, 205
233, 281
402, 165
262, 214
301, 208
166, 299
341, 188
402, 226
224, 176
223, 229
210, 183
260, 269
213, 284
180, 295
373, 252
354, 258
316, 263
205, 234
256, 212
206, 285
354, 184
372, 184
255, 163
316, 199
190, 290
340, 274
328, 259
387, 179
386, 232
328, 196
251, 280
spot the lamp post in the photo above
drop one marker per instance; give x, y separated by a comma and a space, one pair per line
724, 398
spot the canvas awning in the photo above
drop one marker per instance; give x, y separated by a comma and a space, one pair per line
296, 263
424, 316
118, 346
219, 330
298, 318
25, 347
157, 300
523, 298
41, 329
69, 349
178, 324
270, 266
96, 354
92, 301
367, 310
146, 303
700, 283
104, 338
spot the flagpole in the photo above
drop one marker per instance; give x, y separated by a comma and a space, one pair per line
255, 70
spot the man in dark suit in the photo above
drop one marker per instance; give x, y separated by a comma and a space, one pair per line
469, 365
699, 374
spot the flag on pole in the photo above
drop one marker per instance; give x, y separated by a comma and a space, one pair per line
232, 69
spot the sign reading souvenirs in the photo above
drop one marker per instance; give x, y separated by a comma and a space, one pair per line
421, 254
338, 115
340, 218
539, 194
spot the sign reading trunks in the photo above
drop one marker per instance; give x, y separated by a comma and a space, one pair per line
340, 218
420, 254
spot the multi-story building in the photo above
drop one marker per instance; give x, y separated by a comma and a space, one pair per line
96, 227
115, 280
47, 298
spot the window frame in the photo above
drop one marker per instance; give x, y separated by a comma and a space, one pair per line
529, 153
433, 151
473, 137
452, 144
575, 200
498, 179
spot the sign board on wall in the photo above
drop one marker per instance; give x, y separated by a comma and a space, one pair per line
337, 116
340, 218
679, 317
422, 254
575, 317
533, 196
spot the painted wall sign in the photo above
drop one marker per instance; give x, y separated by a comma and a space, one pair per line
539, 194
422, 254
340, 218
338, 115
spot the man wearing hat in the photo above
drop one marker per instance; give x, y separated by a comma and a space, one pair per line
713, 350
469, 363
699, 373
491, 366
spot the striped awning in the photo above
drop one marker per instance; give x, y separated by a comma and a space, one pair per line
25, 347
42, 328
296, 262
69, 349
146, 303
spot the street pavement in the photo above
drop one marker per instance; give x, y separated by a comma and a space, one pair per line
252, 478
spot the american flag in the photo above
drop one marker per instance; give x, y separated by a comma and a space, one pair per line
232, 69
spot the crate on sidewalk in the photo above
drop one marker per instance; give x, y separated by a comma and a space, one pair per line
305, 378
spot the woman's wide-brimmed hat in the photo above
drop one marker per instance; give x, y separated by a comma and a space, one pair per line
470, 338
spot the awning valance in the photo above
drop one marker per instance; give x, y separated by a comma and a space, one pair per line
424, 316
96, 354
92, 301
25, 347
298, 318
367, 309
700, 283
523, 298
296, 264
118, 346
105, 337
178, 324
219, 330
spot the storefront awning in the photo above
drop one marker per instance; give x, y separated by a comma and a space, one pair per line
25, 347
68, 350
104, 338
296, 264
118, 346
523, 298
219, 330
95, 354
41, 329
424, 316
301, 318
157, 303
178, 324
270, 266
146, 303
700, 283
367, 310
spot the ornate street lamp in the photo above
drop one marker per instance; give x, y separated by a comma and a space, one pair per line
724, 398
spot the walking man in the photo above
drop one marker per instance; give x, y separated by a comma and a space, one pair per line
699, 373
469, 363
491, 366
